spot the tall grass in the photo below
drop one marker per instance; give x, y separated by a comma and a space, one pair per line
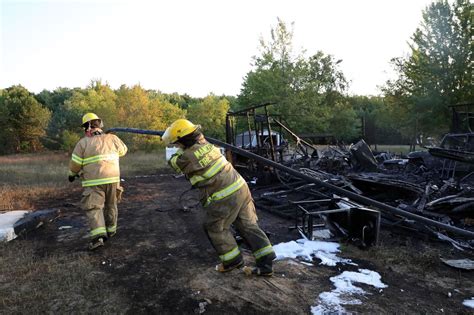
30, 169
141, 163
25, 178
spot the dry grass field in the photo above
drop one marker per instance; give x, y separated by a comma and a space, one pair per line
61, 284
28, 177
161, 262
26, 182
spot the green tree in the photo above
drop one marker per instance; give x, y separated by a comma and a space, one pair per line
309, 91
181, 100
367, 109
138, 108
270, 80
438, 71
343, 122
378, 121
164, 114
61, 117
23, 119
133, 110
133, 107
210, 113
98, 98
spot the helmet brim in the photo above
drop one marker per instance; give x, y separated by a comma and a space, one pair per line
166, 137
87, 123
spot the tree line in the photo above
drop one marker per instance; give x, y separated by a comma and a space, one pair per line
52, 119
310, 93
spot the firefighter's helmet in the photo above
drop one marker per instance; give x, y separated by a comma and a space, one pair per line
177, 130
87, 118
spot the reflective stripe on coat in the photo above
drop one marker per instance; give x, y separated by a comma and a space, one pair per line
98, 159
207, 169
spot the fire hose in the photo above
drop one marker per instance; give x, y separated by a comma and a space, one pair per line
362, 199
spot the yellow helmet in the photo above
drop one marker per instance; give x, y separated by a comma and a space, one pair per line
177, 130
88, 117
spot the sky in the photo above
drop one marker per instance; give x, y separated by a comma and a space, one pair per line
193, 47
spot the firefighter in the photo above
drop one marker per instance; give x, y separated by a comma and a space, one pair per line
224, 195
96, 160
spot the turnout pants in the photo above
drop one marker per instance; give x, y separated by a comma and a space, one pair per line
100, 204
237, 209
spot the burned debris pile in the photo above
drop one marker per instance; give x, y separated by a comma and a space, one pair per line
352, 190
427, 189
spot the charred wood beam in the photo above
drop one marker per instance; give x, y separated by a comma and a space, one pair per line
451, 154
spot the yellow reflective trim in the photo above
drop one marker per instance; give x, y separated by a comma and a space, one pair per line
213, 170
229, 190
102, 157
75, 156
99, 230
173, 163
263, 251
112, 228
100, 181
76, 159
230, 255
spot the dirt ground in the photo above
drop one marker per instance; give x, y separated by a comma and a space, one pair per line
161, 262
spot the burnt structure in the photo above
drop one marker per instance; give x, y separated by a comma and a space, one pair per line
259, 134
353, 191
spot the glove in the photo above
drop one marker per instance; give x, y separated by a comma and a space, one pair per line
71, 178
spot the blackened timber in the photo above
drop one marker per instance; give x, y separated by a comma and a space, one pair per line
451, 154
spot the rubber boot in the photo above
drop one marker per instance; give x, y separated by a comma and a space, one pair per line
96, 243
228, 266
264, 266
266, 271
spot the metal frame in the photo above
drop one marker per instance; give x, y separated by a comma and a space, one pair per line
260, 122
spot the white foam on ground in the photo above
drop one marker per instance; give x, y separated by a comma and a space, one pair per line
7, 220
306, 250
469, 303
345, 291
